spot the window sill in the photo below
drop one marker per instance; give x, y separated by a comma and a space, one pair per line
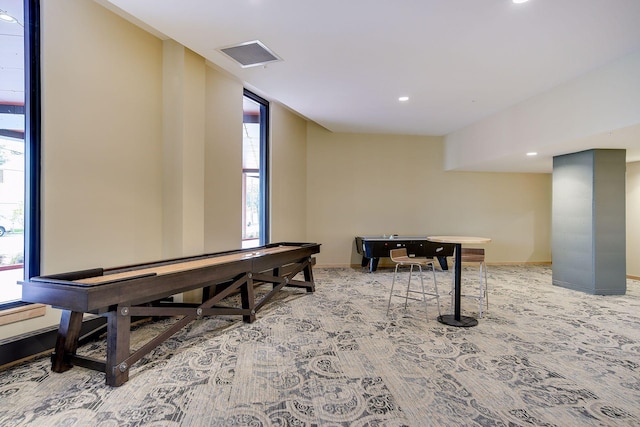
25, 312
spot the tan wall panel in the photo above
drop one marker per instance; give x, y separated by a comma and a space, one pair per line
632, 215
288, 175
102, 97
183, 150
223, 160
193, 154
374, 184
173, 80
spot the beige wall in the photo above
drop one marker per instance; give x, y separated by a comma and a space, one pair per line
288, 175
223, 157
374, 184
183, 151
633, 225
101, 128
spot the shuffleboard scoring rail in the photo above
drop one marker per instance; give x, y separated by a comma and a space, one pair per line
136, 290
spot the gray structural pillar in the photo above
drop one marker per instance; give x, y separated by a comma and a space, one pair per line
588, 221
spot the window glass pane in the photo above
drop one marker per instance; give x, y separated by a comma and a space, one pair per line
251, 134
252, 205
11, 149
251, 146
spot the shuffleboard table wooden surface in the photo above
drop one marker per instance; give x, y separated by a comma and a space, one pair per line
144, 290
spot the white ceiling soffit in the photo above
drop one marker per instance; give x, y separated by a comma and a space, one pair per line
346, 63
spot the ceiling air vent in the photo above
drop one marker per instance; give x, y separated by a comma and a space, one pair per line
250, 54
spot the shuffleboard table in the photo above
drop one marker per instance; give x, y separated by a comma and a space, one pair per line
144, 290
372, 248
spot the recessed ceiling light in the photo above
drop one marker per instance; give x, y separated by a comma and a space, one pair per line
403, 98
520, 1
532, 153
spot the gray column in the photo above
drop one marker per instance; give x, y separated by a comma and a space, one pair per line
588, 221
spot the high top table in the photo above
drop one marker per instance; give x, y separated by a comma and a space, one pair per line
456, 319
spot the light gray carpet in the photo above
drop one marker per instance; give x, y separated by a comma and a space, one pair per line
541, 356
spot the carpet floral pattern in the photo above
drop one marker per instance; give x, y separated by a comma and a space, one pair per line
541, 356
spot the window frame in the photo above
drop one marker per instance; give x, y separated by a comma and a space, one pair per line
32, 141
264, 165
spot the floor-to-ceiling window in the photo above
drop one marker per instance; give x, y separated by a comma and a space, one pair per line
19, 145
254, 171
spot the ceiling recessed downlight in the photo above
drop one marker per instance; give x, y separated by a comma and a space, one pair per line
403, 98
532, 153
520, 1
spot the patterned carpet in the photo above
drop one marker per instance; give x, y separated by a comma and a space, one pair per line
541, 356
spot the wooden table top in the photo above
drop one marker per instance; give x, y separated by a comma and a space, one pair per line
185, 265
464, 240
393, 237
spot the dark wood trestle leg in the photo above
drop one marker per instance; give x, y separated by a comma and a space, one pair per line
118, 345
308, 276
248, 299
276, 273
67, 340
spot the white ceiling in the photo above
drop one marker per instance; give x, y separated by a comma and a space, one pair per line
346, 62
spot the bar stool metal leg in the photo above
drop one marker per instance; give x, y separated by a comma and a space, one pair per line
393, 282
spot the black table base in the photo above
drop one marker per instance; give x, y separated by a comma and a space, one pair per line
456, 319
464, 322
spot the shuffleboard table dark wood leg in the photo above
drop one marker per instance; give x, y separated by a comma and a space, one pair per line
118, 346
67, 340
248, 299
308, 276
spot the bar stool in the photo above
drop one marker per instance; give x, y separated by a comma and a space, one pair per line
400, 258
475, 255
